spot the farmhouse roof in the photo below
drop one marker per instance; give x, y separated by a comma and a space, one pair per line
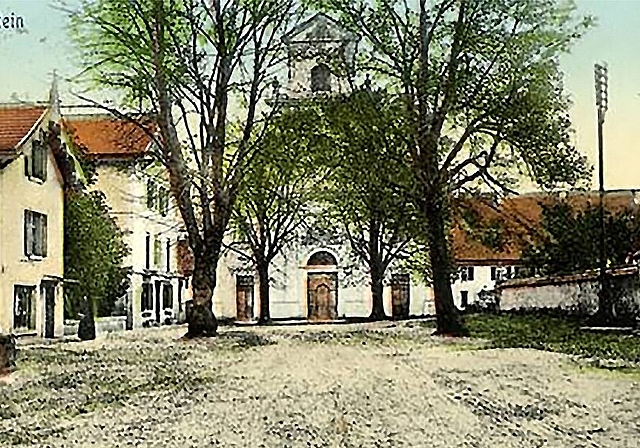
16, 124
104, 136
519, 220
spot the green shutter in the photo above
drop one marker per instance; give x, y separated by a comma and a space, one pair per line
27, 166
43, 235
28, 232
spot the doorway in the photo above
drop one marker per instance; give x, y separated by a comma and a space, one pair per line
48, 293
322, 287
400, 298
244, 297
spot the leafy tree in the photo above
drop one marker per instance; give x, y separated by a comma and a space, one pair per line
369, 191
483, 87
277, 193
200, 70
94, 252
570, 243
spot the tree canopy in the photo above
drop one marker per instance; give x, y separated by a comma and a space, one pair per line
201, 70
369, 193
278, 191
482, 84
569, 239
94, 253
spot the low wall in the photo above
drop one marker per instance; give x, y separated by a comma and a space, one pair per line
103, 325
577, 293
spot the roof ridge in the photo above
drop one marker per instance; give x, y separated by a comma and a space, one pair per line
104, 115
25, 105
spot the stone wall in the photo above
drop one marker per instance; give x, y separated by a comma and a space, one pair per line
103, 325
573, 292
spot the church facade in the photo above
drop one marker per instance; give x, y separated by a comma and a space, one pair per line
319, 280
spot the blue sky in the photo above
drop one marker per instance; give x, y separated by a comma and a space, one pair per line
28, 59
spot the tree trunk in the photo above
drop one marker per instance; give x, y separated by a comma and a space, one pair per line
7, 353
447, 315
377, 312
202, 321
376, 271
263, 276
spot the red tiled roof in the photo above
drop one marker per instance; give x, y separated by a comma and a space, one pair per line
15, 123
102, 136
519, 219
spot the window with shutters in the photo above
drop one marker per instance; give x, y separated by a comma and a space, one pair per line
151, 194
163, 201
24, 315
157, 252
146, 299
35, 234
36, 163
157, 197
466, 273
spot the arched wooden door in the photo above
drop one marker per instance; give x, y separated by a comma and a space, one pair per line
322, 287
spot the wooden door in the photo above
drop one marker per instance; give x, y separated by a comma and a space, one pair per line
48, 291
400, 295
322, 296
244, 297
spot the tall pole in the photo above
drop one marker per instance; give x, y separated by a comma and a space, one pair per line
602, 100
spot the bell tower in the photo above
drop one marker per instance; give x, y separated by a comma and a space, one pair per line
320, 58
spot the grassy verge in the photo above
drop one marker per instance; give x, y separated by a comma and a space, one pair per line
555, 334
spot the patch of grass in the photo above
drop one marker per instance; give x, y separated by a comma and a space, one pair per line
553, 334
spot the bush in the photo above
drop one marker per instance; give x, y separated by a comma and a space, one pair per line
488, 302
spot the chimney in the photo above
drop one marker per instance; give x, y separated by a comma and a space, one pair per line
54, 99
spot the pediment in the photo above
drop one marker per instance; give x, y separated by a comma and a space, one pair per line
319, 28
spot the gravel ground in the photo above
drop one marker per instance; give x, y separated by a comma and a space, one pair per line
375, 385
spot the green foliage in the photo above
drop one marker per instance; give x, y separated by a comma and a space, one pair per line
481, 80
114, 35
571, 237
503, 107
93, 255
202, 70
279, 185
370, 189
552, 334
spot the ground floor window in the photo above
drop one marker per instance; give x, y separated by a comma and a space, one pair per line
464, 299
167, 296
146, 301
24, 310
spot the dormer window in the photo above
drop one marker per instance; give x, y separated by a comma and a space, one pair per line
36, 163
320, 78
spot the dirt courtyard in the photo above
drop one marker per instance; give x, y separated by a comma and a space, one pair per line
369, 385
